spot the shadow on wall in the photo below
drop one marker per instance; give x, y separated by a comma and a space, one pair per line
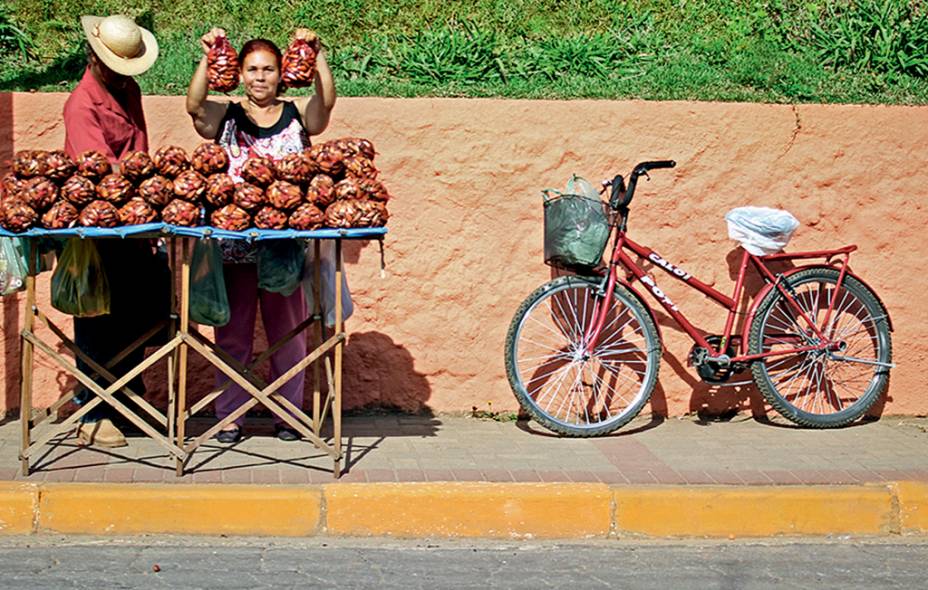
10, 305
380, 372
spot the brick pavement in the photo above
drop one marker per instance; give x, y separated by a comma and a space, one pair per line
399, 448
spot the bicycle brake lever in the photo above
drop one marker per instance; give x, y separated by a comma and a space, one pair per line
646, 175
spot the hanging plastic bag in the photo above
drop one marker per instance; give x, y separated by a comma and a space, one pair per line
761, 230
280, 265
327, 278
79, 284
209, 301
577, 226
13, 266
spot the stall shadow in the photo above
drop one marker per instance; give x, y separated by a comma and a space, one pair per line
11, 304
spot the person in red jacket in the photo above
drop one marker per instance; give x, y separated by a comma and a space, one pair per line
104, 113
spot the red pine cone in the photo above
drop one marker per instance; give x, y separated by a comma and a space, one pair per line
157, 191
59, 166
347, 189
321, 191
307, 217
347, 213
259, 171
296, 168
16, 216
231, 217
284, 195
115, 188
40, 193
220, 189
99, 214
29, 163
248, 196
270, 218
78, 190
181, 212
358, 146
93, 165
61, 215
190, 186
360, 167
299, 64
136, 166
373, 214
209, 158
137, 212
171, 160
374, 189
222, 68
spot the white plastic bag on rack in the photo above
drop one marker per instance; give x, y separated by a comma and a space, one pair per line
761, 230
327, 278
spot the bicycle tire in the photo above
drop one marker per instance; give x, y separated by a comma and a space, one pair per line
858, 319
628, 349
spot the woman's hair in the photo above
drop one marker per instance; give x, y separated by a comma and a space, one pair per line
259, 45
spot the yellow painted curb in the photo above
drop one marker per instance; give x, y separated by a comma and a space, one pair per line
17, 507
754, 512
469, 510
913, 506
179, 509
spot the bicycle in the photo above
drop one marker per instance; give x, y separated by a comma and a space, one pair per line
583, 351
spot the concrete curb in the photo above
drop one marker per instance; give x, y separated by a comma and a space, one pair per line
462, 510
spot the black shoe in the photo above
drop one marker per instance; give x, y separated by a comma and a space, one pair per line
229, 436
286, 433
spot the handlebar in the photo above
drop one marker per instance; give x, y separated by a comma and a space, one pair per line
621, 195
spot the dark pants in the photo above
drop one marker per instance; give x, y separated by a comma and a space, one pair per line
139, 298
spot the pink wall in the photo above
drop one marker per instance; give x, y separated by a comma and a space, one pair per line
465, 242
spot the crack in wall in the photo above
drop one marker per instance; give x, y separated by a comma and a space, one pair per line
797, 127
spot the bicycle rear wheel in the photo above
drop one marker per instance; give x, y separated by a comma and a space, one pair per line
565, 388
822, 389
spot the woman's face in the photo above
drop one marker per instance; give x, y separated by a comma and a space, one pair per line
260, 75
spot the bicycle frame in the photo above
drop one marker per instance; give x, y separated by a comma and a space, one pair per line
621, 259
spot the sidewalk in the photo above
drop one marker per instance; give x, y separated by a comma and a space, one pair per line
399, 448
448, 476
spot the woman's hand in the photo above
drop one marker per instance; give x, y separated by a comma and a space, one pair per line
206, 41
309, 36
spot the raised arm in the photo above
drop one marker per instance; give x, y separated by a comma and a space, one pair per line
316, 110
206, 114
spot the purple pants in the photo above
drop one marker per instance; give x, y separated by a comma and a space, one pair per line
280, 314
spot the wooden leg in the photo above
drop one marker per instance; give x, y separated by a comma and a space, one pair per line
339, 350
172, 359
182, 368
317, 334
26, 352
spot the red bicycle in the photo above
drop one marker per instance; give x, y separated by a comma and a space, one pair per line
583, 352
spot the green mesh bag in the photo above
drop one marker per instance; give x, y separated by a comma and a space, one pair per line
577, 226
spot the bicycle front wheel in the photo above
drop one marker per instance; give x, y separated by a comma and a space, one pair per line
566, 388
820, 388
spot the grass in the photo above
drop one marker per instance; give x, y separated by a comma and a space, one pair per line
831, 51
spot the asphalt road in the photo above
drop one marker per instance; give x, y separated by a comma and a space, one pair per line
185, 562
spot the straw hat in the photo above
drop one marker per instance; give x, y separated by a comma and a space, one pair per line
122, 45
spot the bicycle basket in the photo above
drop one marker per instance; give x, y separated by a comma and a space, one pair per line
576, 231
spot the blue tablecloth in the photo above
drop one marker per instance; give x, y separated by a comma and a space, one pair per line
164, 229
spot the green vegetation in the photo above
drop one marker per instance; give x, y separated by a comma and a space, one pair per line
856, 51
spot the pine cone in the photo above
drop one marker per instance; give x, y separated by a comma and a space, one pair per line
374, 190
231, 217
321, 191
307, 217
61, 215
258, 171
270, 218
353, 146
99, 214
347, 189
220, 189
93, 165
284, 195
209, 158
373, 214
248, 196
360, 167
181, 212
136, 166
190, 186
78, 190
116, 189
296, 168
171, 160
29, 163
222, 67
59, 166
347, 213
137, 212
157, 191
16, 216
40, 193
299, 64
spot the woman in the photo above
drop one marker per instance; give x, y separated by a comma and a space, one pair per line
262, 124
